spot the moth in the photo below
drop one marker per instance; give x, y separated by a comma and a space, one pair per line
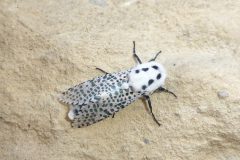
101, 97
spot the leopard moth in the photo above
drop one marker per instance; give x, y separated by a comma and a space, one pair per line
101, 97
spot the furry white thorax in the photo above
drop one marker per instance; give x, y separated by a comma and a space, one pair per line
145, 77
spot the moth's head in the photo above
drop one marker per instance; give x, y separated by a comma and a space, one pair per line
147, 77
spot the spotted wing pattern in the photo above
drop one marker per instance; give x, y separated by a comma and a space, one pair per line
99, 98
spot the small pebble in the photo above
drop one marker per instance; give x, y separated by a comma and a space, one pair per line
223, 94
146, 141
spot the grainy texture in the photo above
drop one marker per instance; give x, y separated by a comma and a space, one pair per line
46, 46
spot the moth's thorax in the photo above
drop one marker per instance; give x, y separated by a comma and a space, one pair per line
147, 77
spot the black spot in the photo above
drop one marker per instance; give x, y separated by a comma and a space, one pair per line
107, 112
75, 111
131, 87
75, 90
155, 67
112, 85
112, 110
97, 97
145, 69
150, 82
137, 71
159, 76
144, 87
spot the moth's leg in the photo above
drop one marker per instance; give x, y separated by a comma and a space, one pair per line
135, 55
154, 58
101, 70
161, 89
150, 108
113, 115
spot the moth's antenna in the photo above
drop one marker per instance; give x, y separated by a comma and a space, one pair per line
135, 55
154, 58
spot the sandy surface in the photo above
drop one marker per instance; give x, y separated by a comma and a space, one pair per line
47, 46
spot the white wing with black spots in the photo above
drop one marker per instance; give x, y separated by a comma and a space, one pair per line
99, 98
90, 90
93, 112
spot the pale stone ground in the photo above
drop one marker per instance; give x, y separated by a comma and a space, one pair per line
47, 46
